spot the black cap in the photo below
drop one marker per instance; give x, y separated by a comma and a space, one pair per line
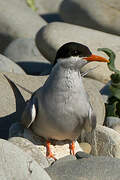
72, 49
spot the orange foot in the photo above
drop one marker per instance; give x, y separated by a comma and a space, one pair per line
72, 148
48, 151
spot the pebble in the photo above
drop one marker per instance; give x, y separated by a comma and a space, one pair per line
101, 15
63, 33
80, 155
86, 147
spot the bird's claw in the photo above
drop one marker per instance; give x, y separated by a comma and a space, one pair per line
50, 155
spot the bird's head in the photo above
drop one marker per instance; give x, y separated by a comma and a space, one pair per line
77, 52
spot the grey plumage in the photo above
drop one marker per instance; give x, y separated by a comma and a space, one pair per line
60, 109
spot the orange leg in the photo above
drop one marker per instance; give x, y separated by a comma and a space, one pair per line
48, 152
72, 148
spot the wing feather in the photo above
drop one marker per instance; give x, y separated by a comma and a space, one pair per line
29, 113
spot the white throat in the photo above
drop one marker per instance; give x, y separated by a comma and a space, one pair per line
66, 76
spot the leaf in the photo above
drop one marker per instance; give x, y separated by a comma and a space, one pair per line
31, 4
112, 56
111, 109
115, 92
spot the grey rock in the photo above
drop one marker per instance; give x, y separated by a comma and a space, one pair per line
105, 18
30, 149
80, 155
23, 49
16, 164
67, 158
45, 7
105, 142
18, 20
24, 52
63, 33
7, 65
8, 107
94, 168
48, 6
113, 122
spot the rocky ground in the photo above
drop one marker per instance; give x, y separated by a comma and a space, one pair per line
29, 41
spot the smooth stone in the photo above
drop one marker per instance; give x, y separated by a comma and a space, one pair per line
67, 158
105, 18
7, 65
16, 164
45, 9
30, 149
63, 33
18, 20
113, 122
32, 83
80, 155
23, 49
93, 168
105, 142
86, 147
24, 52
47, 6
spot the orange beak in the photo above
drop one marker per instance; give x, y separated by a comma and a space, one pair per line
94, 57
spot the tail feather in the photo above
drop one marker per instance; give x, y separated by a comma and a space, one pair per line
20, 101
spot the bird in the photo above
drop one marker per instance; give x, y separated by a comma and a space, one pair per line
60, 109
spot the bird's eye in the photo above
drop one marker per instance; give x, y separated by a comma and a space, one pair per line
75, 53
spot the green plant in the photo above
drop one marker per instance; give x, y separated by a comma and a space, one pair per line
113, 103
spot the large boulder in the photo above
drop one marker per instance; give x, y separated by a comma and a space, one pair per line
93, 168
104, 142
17, 20
24, 52
98, 14
16, 164
30, 149
7, 65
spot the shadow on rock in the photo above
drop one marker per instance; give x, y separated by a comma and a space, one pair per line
52, 17
36, 68
5, 40
5, 123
